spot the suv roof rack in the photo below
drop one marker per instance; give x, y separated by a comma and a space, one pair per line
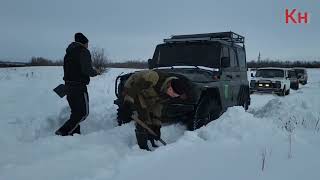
225, 36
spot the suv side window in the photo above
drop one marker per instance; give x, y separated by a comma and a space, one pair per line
225, 52
242, 58
292, 74
233, 58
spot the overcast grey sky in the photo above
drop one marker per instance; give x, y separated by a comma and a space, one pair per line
130, 29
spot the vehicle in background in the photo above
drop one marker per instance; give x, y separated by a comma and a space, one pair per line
292, 76
302, 75
270, 80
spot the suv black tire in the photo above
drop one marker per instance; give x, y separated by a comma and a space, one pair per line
122, 117
283, 92
208, 109
244, 97
295, 86
287, 92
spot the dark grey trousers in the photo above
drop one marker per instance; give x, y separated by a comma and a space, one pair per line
78, 99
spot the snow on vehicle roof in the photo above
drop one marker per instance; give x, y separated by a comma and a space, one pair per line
186, 67
273, 68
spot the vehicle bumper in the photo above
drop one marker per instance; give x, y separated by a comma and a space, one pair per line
266, 90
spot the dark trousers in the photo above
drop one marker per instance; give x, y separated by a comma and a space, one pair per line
78, 100
143, 136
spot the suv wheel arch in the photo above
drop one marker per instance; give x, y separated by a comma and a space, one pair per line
208, 109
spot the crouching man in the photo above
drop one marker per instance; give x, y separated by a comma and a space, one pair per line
145, 92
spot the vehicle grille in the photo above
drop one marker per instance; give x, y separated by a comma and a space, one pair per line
266, 85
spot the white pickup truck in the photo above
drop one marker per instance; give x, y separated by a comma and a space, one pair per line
270, 80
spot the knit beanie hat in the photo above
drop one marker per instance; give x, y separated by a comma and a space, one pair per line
79, 37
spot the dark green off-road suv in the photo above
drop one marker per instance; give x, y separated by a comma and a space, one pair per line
214, 65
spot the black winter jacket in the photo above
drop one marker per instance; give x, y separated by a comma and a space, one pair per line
77, 65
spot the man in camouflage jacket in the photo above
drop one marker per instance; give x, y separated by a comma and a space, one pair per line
145, 92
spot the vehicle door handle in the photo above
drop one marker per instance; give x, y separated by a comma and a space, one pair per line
229, 76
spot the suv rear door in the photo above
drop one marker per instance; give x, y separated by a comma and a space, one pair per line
229, 75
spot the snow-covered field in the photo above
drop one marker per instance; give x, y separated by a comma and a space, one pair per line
239, 145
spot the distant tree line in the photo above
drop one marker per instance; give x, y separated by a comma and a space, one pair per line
40, 61
101, 61
136, 64
284, 64
4, 64
97, 62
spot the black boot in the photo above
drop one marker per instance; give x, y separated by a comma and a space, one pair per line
153, 143
142, 139
61, 132
156, 129
76, 130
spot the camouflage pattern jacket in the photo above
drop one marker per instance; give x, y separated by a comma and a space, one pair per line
147, 91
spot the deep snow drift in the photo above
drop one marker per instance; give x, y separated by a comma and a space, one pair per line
232, 147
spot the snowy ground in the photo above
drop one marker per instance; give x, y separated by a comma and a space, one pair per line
233, 147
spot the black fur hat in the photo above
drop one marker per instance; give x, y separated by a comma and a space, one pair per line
179, 86
79, 37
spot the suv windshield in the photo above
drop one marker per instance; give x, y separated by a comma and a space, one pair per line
270, 73
191, 54
299, 71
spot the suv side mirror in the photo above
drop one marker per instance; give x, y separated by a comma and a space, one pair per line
225, 62
150, 64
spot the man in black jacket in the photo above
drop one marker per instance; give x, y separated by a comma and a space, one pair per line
77, 72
